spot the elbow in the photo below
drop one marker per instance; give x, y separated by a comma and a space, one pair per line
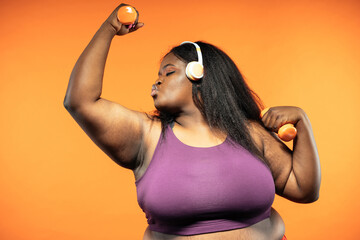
76, 103
66, 101
310, 198
312, 194
69, 105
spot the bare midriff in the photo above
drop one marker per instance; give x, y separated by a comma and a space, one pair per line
272, 228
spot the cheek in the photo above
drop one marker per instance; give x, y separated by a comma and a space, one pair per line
171, 97
177, 87
181, 93
174, 96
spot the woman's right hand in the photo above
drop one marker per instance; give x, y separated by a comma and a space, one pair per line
118, 27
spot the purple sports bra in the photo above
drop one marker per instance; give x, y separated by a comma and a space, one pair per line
193, 190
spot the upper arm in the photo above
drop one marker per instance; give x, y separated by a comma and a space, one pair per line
116, 130
279, 157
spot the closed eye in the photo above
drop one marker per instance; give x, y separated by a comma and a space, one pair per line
169, 73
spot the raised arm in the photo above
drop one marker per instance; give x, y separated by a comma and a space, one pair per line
297, 173
117, 130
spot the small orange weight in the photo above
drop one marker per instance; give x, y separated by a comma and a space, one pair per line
287, 132
127, 15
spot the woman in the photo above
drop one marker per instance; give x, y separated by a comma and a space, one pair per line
212, 165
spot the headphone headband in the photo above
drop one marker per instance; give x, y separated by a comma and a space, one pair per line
198, 50
195, 69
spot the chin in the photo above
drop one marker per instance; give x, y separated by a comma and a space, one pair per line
162, 108
166, 108
157, 105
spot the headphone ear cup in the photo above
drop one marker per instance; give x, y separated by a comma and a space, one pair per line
194, 71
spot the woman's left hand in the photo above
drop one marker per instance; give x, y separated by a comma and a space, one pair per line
276, 117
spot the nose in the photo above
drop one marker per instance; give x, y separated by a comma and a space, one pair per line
158, 82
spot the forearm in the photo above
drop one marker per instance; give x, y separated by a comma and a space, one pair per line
85, 84
306, 163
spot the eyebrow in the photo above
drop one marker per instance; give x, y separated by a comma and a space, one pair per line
169, 64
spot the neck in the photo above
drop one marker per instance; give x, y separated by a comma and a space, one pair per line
194, 122
191, 120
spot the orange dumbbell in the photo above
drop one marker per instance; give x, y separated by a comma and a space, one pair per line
127, 15
287, 132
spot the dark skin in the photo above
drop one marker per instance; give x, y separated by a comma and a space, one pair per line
123, 133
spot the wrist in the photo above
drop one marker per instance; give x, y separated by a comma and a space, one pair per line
303, 118
108, 29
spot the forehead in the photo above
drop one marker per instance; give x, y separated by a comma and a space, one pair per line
171, 59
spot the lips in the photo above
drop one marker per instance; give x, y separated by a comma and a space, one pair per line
154, 90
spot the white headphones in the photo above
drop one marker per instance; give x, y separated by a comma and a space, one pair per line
195, 70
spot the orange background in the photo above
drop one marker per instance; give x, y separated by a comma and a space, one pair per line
55, 183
